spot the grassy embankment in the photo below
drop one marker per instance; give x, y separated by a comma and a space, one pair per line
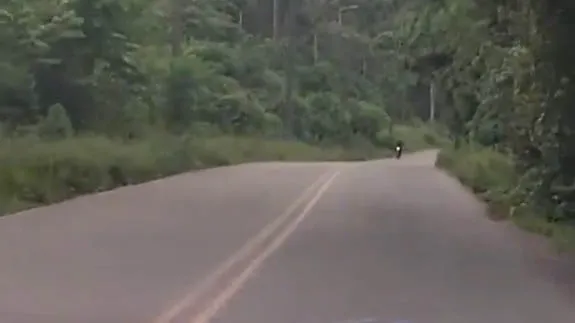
492, 176
36, 172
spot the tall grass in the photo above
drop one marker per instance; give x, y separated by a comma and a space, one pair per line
492, 176
35, 172
421, 136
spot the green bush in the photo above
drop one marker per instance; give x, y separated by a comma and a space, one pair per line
420, 136
491, 174
484, 170
57, 124
415, 136
36, 172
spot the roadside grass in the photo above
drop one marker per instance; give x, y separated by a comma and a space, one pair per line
420, 135
492, 177
36, 172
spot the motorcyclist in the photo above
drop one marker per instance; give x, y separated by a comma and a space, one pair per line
399, 148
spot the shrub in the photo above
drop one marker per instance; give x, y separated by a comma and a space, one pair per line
35, 171
492, 175
420, 136
484, 170
57, 124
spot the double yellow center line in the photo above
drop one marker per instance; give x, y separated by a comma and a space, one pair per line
276, 232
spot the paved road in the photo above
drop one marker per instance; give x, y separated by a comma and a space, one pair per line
381, 241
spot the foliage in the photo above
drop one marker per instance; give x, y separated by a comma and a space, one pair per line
56, 124
112, 67
35, 172
506, 80
492, 175
82, 78
484, 170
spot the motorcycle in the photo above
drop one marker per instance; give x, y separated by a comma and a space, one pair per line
398, 152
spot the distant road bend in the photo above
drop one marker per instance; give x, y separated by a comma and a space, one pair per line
381, 241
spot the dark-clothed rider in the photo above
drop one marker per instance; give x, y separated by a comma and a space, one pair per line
399, 144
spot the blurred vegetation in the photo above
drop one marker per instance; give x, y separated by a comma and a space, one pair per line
505, 74
95, 94
34, 171
100, 93
493, 177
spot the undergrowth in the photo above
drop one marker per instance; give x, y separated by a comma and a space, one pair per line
492, 176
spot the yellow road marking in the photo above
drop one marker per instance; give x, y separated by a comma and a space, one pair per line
191, 299
206, 315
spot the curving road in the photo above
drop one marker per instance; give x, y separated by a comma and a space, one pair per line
382, 241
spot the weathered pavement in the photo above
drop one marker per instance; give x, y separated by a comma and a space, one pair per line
381, 241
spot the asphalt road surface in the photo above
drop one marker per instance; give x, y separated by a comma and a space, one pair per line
382, 241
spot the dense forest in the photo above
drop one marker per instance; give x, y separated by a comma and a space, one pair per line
323, 72
119, 67
96, 94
